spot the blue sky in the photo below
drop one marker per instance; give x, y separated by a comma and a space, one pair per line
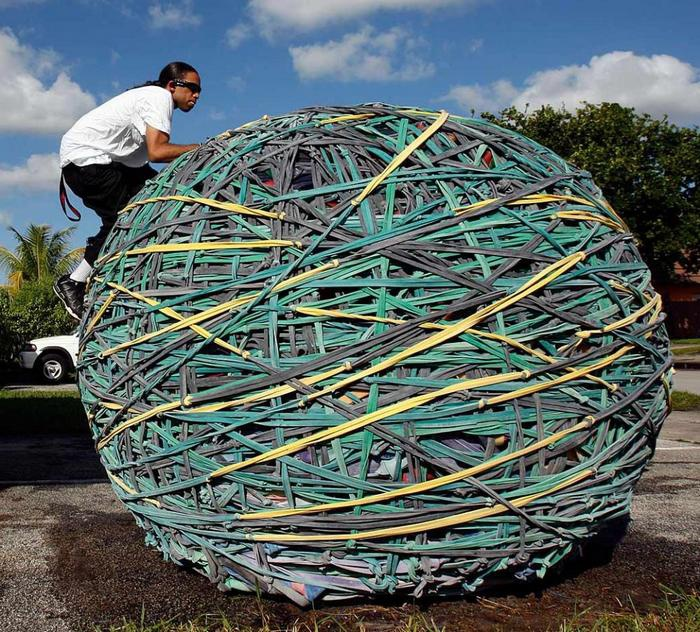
62, 57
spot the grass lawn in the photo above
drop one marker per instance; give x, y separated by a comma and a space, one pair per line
32, 412
677, 612
682, 400
217, 623
685, 341
691, 350
685, 346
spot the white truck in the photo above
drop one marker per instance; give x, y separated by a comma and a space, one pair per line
53, 358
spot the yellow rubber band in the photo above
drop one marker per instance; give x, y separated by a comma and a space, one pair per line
367, 419
419, 488
412, 402
180, 323
653, 304
590, 217
278, 391
130, 490
540, 280
428, 525
400, 158
218, 341
137, 420
534, 198
224, 206
611, 210
212, 311
213, 246
100, 312
315, 311
113, 406
535, 388
346, 117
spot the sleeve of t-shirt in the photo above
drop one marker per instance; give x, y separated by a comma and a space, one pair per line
155, 110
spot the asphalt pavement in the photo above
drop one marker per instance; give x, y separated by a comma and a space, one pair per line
687, 381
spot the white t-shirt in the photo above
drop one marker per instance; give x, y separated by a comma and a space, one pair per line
116, 130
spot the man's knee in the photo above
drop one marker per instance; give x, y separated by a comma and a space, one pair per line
103, 188
137, 178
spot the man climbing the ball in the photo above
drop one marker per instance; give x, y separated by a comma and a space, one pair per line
104, 158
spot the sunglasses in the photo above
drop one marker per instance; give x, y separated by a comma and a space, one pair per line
190, 85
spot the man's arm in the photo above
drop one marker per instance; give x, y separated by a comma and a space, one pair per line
160, 149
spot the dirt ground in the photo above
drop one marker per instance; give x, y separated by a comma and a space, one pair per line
71, 558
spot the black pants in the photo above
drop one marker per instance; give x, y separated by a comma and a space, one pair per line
106, 189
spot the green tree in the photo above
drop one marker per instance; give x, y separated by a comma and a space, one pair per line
7, 343
40, 255
28, 307
33, 311
648, 169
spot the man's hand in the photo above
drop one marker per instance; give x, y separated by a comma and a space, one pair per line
159, 147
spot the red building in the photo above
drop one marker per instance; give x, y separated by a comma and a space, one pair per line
681, 300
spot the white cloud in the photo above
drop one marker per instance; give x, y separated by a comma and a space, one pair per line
5, 219
480, 98
273, 16
237, 34
25, 58
658, 85
39, 173
216, 115
476, 45
367, 55
31, 106
236, 83
173, 15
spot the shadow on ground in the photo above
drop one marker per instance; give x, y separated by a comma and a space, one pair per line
49, 458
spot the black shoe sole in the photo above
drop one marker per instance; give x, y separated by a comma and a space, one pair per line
65, 305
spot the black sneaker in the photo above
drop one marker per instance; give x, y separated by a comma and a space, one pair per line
71, 294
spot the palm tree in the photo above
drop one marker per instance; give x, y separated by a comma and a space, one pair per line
40, 255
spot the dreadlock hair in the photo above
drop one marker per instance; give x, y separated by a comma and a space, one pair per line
173, 70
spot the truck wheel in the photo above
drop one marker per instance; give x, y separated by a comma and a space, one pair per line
52, 367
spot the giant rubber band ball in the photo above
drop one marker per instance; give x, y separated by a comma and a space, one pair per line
363, 351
